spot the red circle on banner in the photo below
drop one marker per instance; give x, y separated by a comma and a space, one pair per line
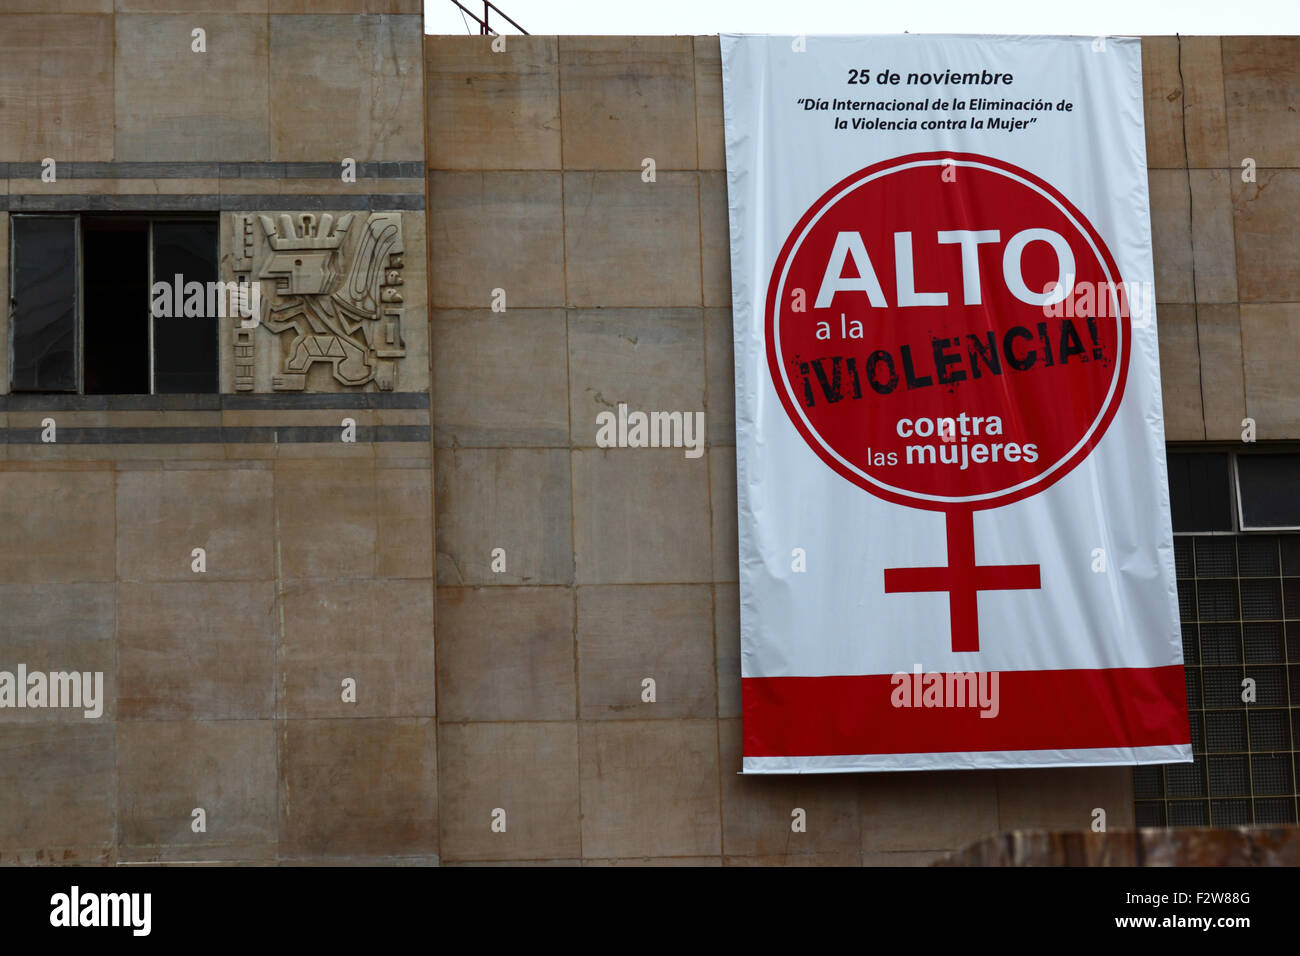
947, 330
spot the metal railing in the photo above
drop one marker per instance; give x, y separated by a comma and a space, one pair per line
484, 25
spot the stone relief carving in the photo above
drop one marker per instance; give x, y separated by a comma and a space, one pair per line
331, 293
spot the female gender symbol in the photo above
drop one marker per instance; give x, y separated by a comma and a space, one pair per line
949, 333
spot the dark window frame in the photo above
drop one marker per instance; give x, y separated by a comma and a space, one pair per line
79, 294
1235, 452
11, 315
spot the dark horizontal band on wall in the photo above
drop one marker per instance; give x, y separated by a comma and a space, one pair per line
201, 170
217, 434
286, 401
234, 202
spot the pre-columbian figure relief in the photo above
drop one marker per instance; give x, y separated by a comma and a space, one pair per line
331, 294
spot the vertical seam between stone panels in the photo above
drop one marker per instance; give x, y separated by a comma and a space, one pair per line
1191, 231
569, 449
695, 100
112, 84
427, 181
279, 720
1227, 147
270, 140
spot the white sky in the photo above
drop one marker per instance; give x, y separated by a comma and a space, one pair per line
1086, 17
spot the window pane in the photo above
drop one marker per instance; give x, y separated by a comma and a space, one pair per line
115, 286
1268, 486
44, 306
1200, 493
185, 346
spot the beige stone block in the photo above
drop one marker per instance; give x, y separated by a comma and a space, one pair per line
56, 6
56, 87
652, 360
335, 186
758, 810
1266, 212
506, 654
60, 628
42, 512
1204, 116
56, 791
196, 650
413, 369
1180, 373
162, 516
1261, 80
642, 517
722, 503
258, 187
1213, 243
175, 418
627, 634
517, 500
1270, 341
500, 378
624, 99
63, 419
403, 454
1189, 106
942, 810
708, 102
528, 770
328, 516
1222, 378
404, 545
345, 6
176, 104
377, 633
1162, 95
278, 418
359, 453
715, 239
496, 230
486, 110
358, 788
720, 376
726, 638
650, 788
365, 98
166, 769
114, 187
1063, 798
632, 243
1171, 244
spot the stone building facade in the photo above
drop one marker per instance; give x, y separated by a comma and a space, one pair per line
495, 586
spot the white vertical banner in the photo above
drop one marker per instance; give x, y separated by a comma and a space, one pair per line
955, 545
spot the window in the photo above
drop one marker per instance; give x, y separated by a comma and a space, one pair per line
43, 304
1239, 604
81, 311
1268, 492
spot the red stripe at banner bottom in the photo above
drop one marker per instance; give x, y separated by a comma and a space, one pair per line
1035, 710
